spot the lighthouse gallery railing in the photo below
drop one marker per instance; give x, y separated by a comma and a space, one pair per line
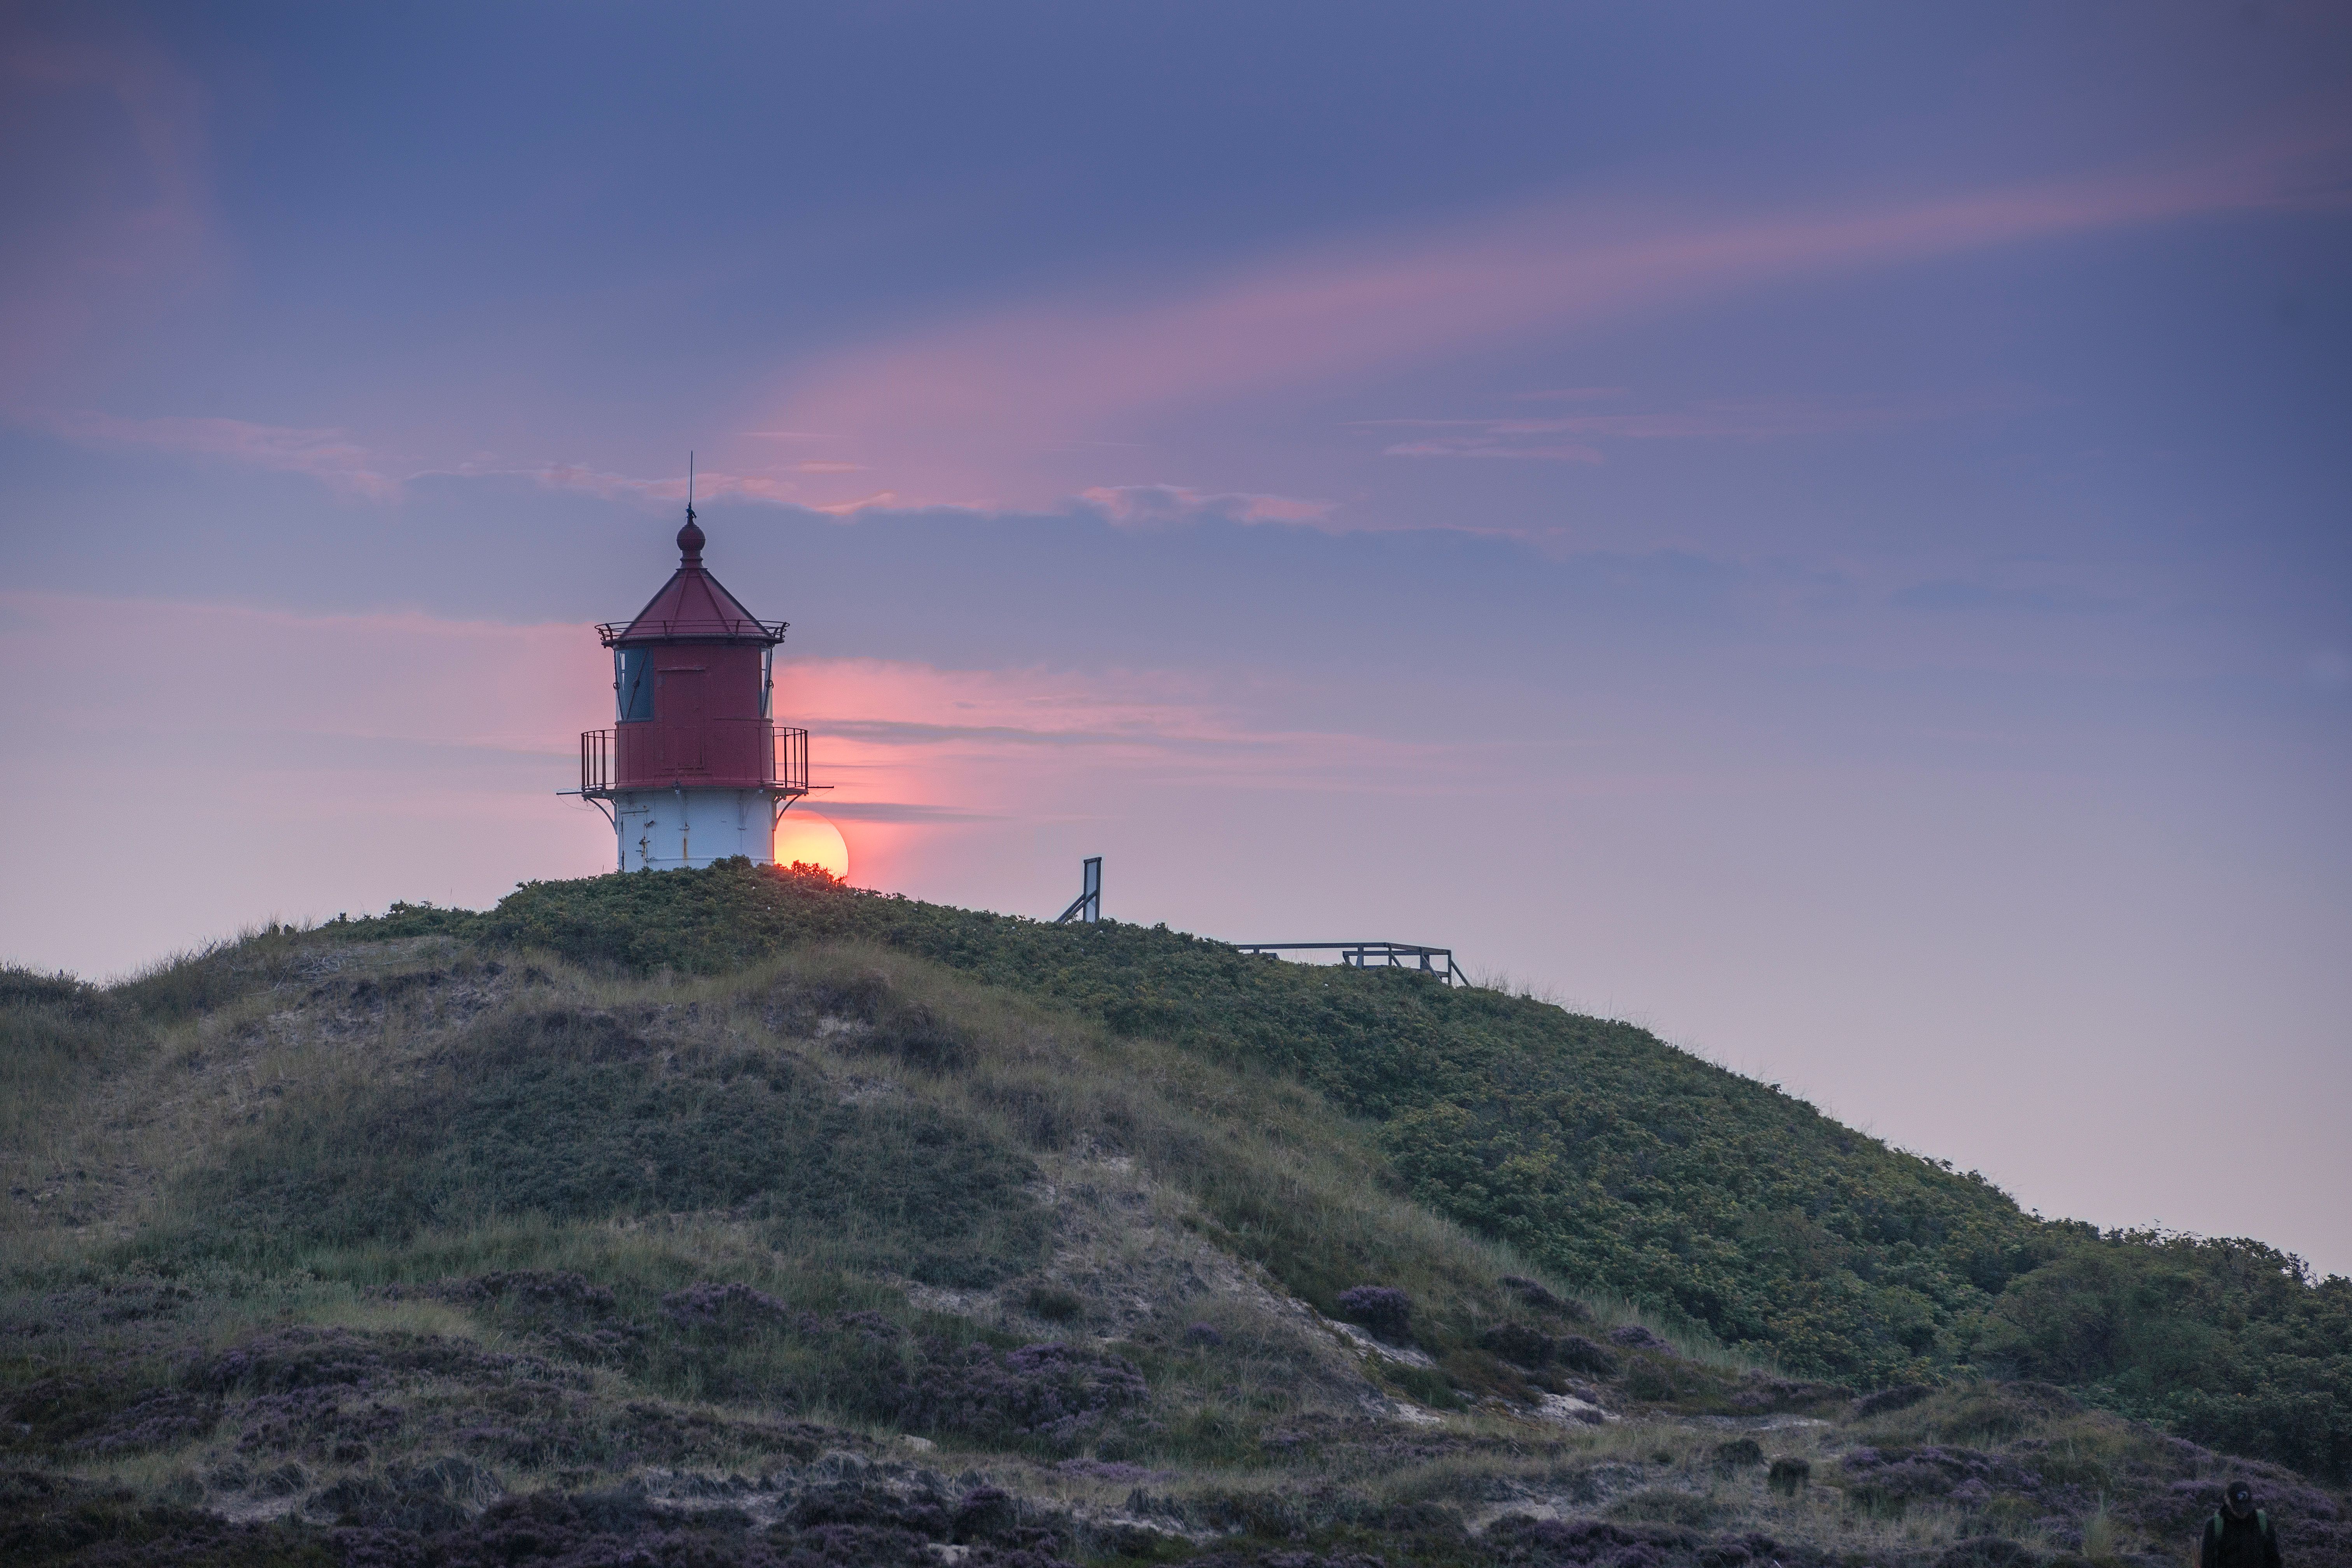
784, 756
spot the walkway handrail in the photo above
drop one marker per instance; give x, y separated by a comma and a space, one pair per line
1372, 955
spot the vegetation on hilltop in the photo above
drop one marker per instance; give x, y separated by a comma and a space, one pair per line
381, 1230
736, 1217
1624, 1164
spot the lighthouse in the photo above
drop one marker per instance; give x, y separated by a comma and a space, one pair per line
695, 767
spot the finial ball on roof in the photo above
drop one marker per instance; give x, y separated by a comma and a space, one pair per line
690, 543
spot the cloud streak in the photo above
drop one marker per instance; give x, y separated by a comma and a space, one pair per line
710, 484
1489, 446
993, 406
908, 747
900, 813
1017, 409
1760, 419
336, 459
1148, 506
330, 456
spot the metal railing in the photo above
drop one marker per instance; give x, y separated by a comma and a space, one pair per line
727, 627
781, 765
788, 759
595, 762
1438, 961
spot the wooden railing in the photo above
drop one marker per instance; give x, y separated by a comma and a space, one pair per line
1438, 961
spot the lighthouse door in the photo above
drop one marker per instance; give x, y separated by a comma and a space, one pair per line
681, 716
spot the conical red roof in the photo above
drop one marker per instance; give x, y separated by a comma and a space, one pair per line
693, 606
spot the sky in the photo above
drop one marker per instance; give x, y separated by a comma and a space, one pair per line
1824, 531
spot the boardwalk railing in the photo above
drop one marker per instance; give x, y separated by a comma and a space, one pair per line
1438, 961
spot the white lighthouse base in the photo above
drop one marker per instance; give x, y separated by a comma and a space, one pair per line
670, 829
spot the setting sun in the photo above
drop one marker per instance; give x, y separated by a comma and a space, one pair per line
807, 837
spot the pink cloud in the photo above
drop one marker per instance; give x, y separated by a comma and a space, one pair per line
918, 754
1140, 506
707, 484
411, 739
910, 747
849, 508
335, 458
1754, 419
1472, 447
329, 456
998, 405
417, 677
408, 677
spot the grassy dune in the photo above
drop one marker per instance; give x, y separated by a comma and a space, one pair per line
737, 1217
1623, 1164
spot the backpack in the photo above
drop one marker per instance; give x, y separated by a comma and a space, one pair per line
2214, 1526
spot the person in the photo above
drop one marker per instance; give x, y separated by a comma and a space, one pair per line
2239, 1535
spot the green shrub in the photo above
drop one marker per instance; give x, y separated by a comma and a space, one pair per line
2228, 1339
580, 1114
1426, 1384
1054, 1304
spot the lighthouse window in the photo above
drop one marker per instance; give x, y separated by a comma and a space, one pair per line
632, 677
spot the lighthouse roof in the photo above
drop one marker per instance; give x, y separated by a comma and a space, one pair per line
693, 606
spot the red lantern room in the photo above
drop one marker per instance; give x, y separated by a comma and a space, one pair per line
695, 768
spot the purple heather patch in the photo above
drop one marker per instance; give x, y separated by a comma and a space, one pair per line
734, 1306
1047, 1391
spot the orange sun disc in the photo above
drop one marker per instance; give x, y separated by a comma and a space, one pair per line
812, 840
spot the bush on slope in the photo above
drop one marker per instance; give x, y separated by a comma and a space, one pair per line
2228, 1339
1592, 1146
574, 1114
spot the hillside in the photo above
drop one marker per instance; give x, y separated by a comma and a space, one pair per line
1624, 1164
735, 1217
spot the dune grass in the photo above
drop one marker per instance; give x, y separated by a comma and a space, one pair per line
377, 1199
829, 1133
